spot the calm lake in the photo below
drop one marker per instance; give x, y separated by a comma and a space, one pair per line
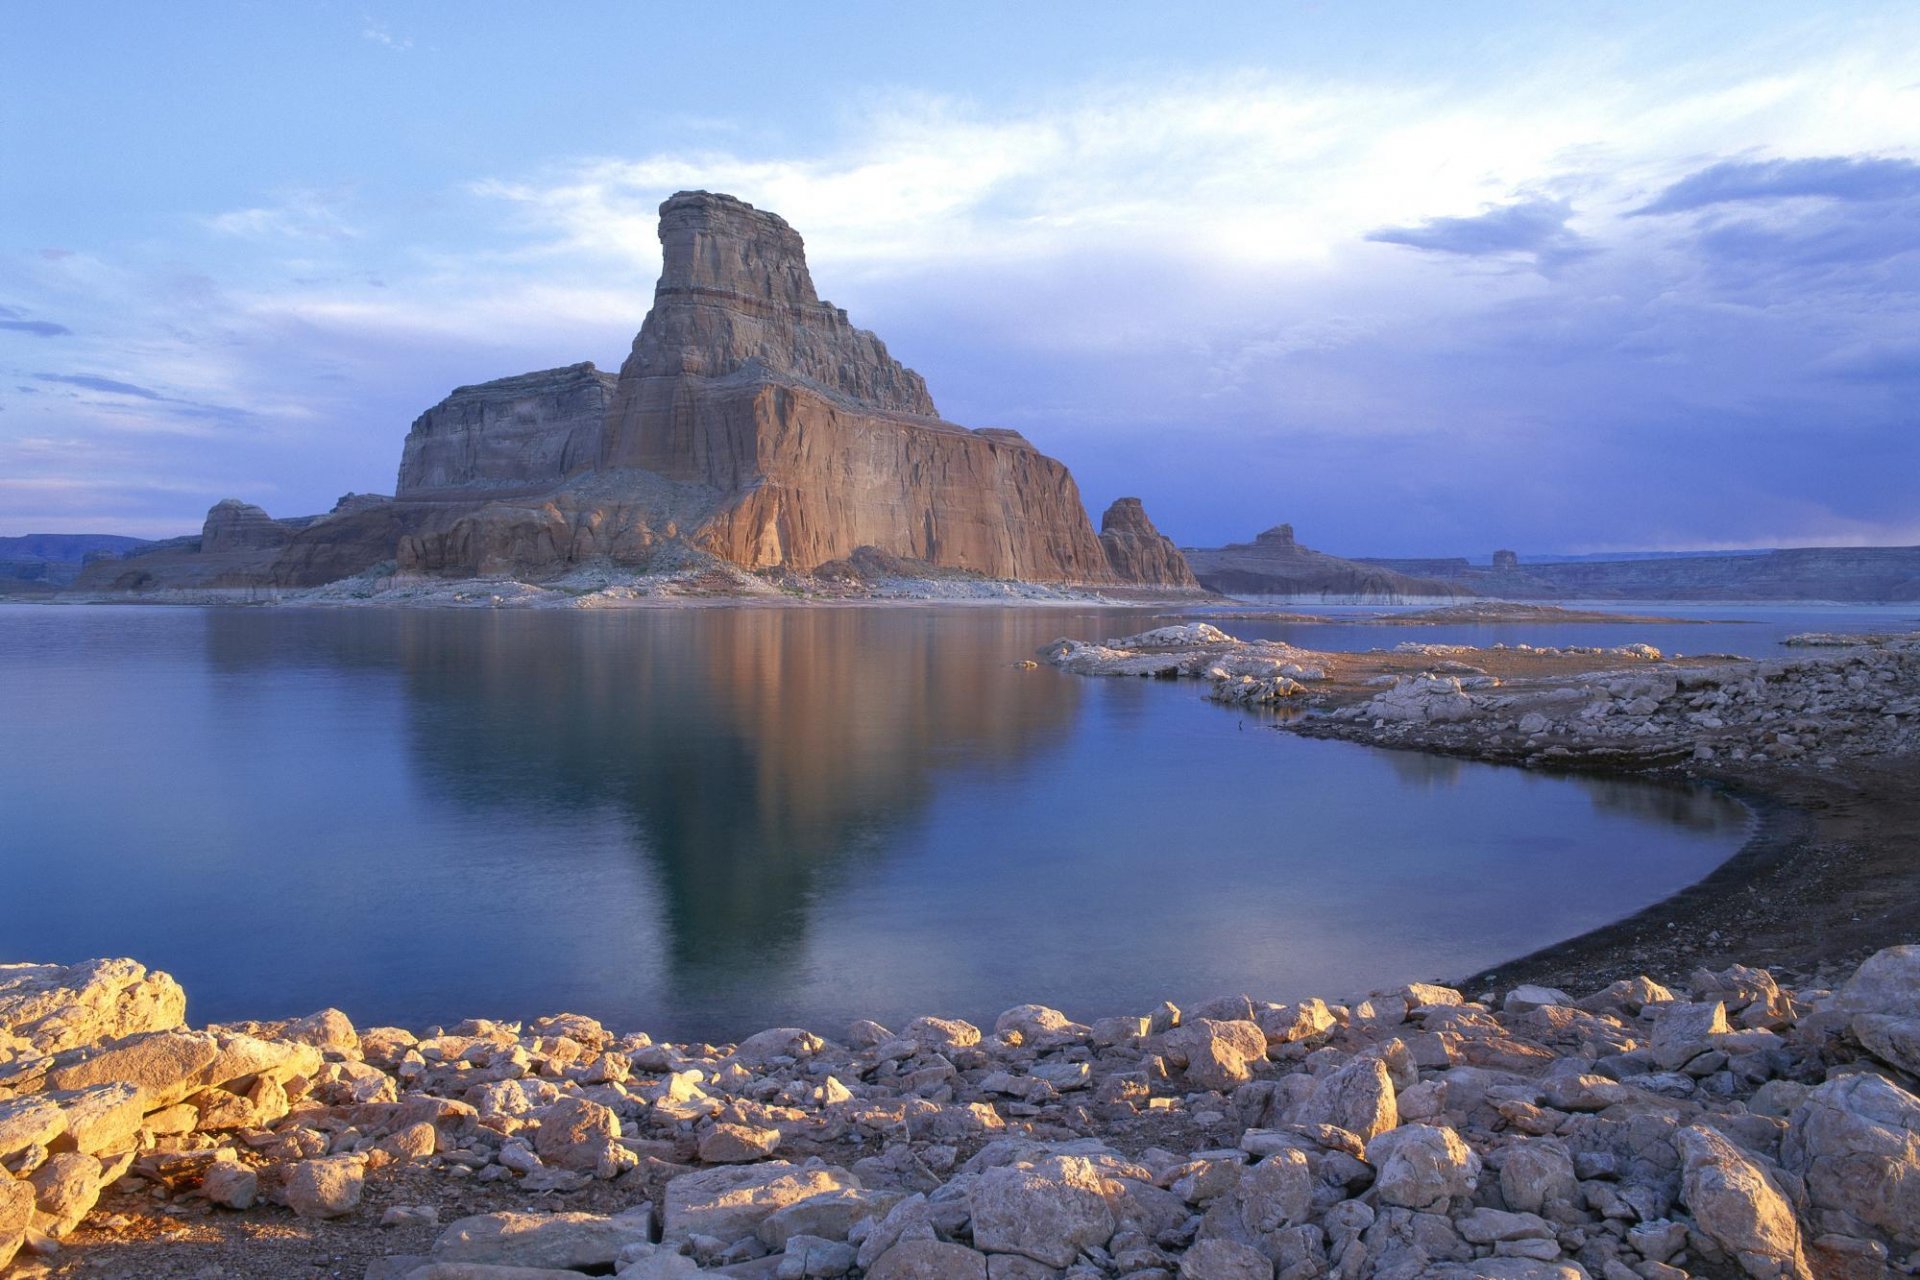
708, 821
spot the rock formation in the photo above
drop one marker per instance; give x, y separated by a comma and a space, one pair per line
1138, 552
1273, 564
752, 422
233, 525
816, 441
531, 431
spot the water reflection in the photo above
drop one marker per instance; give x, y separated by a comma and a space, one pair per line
704, 822
757, 755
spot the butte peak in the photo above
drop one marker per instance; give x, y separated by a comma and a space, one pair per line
735, 299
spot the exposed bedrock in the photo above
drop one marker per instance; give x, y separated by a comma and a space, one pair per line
524, 432
818, 442
1138, 552
752, 422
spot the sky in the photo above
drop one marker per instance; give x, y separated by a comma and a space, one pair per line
1416, 278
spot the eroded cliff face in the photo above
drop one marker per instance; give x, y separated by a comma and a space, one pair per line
752, 422
744, 382
1138, 552
530, 431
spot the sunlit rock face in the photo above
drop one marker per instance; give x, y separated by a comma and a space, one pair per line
818, 442
752, 422
512, 433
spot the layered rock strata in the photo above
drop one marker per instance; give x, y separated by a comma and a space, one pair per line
752, 422
1274, 564
526, 432
814, 439
1720, 1125
1138, 552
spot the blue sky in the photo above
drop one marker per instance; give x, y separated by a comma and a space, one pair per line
1418, 278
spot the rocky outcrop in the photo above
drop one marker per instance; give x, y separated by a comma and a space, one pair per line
1138, 552
520, 433
1720, 1126
1273, 564
233, 525
752, 422
815, 441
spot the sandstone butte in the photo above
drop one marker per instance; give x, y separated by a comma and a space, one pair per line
752, 422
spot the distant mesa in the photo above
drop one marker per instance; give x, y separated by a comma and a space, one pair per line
1276, 565
752, 422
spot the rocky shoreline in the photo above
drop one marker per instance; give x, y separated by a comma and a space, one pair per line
1519, 1124
1719, 1126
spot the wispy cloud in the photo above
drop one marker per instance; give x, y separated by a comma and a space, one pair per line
110, 386
298, 215
1193, 286
1532, 228
1851, 178
14, 319
378, 33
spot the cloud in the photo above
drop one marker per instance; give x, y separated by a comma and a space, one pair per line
300, 215
13, 318
110, 386
1533, 228
377, 33
1176, 286
1848, 178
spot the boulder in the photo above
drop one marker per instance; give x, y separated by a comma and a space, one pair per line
1738, 1204
580, 1134
328, 1187
737, 1143
942, 1035
1358, 1097
1047, 1210
553, 1240
1684, 1031
48, 1008
1217, 1258
929, 1260
1537, 1172
28, 1122
1856, 1142
65, 1189
1216, 1054
761, 1049
230, 1184
1422, 1167
732, 1201
165, 1066
16, 1216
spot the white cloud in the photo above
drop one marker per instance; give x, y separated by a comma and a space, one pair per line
300, 215
377, 33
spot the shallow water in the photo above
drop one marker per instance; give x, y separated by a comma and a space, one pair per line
1747, 631
704, 822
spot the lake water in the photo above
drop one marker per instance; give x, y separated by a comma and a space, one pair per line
708, 821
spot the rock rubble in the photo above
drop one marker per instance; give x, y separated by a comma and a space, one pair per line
1718, 1126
